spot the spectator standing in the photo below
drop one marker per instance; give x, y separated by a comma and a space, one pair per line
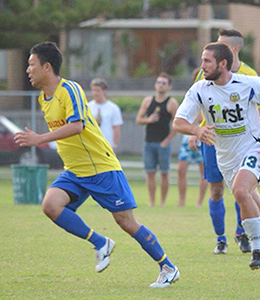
157, 112
107, 113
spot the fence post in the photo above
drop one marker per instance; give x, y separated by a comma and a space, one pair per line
33, 124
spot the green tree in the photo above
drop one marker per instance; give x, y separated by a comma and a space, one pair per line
26, 22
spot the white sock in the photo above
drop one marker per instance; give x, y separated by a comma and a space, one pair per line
252, 228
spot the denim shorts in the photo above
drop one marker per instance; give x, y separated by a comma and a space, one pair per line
155, 155
110, 189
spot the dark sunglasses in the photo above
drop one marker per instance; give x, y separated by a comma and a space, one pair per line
161, 82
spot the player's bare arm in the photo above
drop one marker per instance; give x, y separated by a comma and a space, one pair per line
141, 117
31, 138
193, 141
205, 134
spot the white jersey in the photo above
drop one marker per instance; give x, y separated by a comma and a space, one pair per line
110, 116
232, 108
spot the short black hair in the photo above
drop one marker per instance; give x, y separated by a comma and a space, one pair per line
48, 52
230, 32
221, 52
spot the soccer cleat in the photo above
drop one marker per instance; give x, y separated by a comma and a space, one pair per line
221, 248
103, 255
255, 260
167, 276
243, 242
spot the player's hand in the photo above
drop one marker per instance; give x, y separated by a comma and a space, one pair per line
206, 134
27, 138
193, 143
153, 118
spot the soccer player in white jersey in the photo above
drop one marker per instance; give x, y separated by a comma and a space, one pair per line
229, 104
234, 39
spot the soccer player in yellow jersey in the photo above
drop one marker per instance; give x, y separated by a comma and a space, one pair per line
234, 39
91, 167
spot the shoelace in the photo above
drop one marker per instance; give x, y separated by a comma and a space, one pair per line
99, 255
162, 277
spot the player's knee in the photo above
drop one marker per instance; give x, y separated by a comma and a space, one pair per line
122, 222
239, 193
216, 191
129, 225
181, 172
49, 209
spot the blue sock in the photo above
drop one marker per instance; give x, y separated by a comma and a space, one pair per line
240, 230
72, 223
148, 241
217, 213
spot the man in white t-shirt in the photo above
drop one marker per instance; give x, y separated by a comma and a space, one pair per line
107, 113
229, 103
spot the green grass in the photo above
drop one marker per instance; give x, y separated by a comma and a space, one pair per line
40, 261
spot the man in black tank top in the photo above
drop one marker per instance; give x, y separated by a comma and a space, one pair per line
157, 112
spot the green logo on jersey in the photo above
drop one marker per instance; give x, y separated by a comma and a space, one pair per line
231, 131
234, 97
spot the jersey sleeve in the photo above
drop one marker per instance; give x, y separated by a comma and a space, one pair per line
190, 106
74, 102
255, 91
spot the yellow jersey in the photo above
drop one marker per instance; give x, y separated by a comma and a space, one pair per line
243, 69
84, 154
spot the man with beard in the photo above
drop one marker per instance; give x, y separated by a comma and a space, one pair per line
234, 39
156, 112
229, 104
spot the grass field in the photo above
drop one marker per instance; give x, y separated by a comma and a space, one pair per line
40, 261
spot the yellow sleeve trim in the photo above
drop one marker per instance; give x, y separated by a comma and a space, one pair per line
89, 234
162, 259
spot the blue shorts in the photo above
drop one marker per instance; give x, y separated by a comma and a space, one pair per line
211, 170
155, 155
110, 189
186, 154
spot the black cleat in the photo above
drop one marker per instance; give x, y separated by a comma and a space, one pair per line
221, 248
255, 260
243, 242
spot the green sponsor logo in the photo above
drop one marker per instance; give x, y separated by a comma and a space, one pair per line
230, 131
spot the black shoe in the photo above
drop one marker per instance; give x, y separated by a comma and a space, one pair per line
243, 242
221, 248
255, 260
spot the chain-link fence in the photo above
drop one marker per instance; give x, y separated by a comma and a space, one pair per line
19, 109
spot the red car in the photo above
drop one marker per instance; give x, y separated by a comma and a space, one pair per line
11, 153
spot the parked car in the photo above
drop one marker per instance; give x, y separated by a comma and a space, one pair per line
11, 153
